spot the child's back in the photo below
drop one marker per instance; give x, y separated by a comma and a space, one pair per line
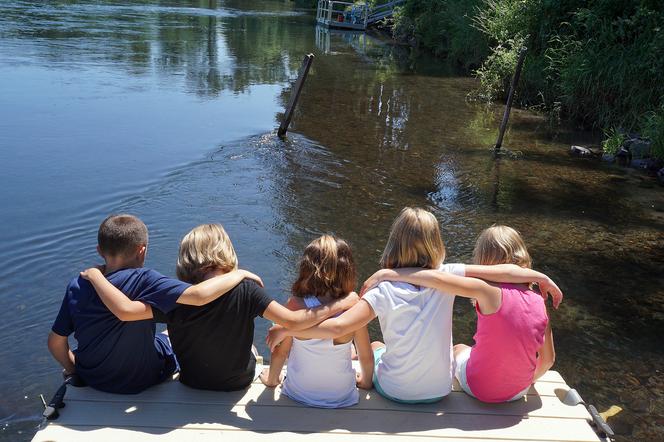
320, 372
213, 342
417, 327
504, 358
112, 355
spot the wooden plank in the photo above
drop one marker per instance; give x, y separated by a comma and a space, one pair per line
552, 376
277, 418
147, 434
258, 395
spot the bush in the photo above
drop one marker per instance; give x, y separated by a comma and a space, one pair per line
444, 27
614, 141
598, 62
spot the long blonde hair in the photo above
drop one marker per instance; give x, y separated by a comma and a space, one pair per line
326, 268
414, 241
207, 247
501, 245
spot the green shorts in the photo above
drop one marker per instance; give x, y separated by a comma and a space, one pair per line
377, 354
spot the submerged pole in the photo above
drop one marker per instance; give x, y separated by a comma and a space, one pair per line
510, 97
295, 94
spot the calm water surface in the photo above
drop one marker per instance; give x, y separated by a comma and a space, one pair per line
166, 109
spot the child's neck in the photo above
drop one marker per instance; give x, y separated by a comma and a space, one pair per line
212, 273
114, 264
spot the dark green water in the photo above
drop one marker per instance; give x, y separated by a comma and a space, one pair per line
167, 109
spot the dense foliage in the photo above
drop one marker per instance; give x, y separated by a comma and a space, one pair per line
599, 62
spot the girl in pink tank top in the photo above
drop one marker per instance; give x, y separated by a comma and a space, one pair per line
513, 343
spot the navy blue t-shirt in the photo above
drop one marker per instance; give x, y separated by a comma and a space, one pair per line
112, 355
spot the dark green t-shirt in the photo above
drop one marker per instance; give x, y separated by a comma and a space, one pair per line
213, 342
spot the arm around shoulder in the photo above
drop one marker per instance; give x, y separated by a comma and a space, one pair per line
117, 302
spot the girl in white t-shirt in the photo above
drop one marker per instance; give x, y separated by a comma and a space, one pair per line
414, 365
320, 371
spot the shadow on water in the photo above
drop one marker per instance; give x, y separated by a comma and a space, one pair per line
144, 87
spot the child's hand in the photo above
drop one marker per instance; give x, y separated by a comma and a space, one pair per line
248, 275
549, 288
372, 281
265, 378
275, 335
363, 383
91, 273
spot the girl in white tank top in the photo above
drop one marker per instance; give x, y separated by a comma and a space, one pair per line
320, 371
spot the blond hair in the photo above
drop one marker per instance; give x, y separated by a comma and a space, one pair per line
414, 241
207, 247
501, 245
326, 268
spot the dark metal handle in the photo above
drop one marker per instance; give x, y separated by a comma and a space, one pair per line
600, 423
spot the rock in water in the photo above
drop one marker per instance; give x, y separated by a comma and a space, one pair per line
639, 147
581, 151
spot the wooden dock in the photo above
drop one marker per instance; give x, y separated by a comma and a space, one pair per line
174, 412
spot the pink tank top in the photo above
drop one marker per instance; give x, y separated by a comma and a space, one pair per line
504, 358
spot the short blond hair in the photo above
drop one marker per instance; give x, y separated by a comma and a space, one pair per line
207, 247
501, 245
414, 241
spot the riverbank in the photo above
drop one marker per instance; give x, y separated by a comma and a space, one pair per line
597, 65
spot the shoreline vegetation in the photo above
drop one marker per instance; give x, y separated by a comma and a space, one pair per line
595, 63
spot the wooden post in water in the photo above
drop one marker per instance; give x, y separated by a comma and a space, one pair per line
510, 97
295, 94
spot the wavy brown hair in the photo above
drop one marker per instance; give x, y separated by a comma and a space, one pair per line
326, 268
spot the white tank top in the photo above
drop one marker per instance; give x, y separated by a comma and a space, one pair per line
319, 373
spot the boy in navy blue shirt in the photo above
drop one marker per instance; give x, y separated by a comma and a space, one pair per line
122, 354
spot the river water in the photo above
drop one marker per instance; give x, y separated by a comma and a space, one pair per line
167, 109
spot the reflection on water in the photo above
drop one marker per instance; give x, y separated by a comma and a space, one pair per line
166, 109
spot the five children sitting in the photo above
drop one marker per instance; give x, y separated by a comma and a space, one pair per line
210, 314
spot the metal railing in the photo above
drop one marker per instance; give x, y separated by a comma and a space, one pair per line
333, 12
381, 11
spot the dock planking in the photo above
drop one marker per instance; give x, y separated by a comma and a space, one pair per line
174, 412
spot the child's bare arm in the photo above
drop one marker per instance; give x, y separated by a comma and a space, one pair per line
126, 309
305, 318
117, 302
358, 316
512, 273
365, 355
271, 376
59, 348
487, 296
447, 282
213, 288
546, 354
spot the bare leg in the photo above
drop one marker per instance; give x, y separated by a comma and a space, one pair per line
376, 345
353, 352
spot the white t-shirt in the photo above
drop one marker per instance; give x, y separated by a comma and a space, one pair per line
417, 328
